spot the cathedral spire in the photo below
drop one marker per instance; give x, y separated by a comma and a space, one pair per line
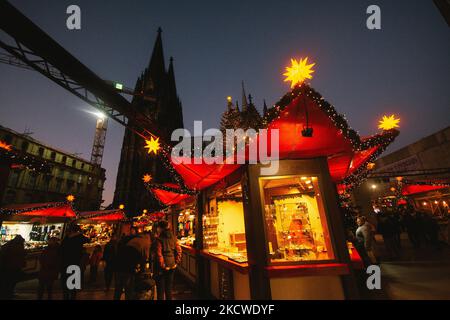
244, 98
157, 67
171, 78
265, 108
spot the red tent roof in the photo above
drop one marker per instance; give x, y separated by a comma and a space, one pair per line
102, 215
48, 209
347, 153
167, 197
410, 189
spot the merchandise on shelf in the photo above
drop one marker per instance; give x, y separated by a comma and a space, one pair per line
223, 225
35, 235
186, 227
296, 224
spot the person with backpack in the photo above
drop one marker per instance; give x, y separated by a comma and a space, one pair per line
166, 253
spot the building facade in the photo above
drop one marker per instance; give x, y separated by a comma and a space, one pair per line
155, 96
66, 174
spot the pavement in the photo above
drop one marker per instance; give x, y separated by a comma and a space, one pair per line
27, 290
419, 274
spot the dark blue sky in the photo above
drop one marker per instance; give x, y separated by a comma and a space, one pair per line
403, 68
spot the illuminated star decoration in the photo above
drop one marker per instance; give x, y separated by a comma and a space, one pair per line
298, 72
147, 178
388, 123
152, 145
5, 146
70, 198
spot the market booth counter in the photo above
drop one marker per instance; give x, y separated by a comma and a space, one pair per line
100, 226
225, 243
278, 234
36, 223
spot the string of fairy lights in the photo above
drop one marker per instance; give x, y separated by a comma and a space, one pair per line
297, 74
50, 205
9, 154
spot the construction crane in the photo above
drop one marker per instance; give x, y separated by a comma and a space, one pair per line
101, 126
99, 140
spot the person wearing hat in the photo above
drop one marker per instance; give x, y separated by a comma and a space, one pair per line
12, 260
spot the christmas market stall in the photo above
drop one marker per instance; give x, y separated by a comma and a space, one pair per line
182, 216
100, 226
35, 223
430, 197
278, 234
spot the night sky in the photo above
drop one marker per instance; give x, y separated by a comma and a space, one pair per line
404, 68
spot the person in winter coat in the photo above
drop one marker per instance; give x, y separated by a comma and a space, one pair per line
365, 236
94, 262
110, 256
12, 260
130, 259
387, 228
166, 253
49, 268
71, 254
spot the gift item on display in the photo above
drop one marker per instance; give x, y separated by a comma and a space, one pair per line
223, 226
296, 224
98, 234
35, 235
186, 227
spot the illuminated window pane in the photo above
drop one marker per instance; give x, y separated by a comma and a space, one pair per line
296, 225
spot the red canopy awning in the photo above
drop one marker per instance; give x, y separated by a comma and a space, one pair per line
410, 189
347, 153
102, 215
48, 209
167, 197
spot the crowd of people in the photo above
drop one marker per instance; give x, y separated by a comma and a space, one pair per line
136, 263
422, 230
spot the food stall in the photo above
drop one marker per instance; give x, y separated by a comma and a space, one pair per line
100, 226
279, 234
36, 223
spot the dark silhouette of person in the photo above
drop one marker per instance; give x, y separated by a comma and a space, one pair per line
12, 260
71, 254
49, 262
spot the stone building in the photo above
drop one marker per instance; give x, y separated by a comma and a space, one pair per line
155, 96
66, 174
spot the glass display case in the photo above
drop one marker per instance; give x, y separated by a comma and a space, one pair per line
295, 220
186, 227
224, 227
35, 235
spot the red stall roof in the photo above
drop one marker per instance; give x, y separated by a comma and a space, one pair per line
102, 215
410, 189
348, 154
48, 209
167, 197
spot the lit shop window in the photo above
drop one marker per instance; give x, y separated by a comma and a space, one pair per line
296, 224
186, 227
224, 227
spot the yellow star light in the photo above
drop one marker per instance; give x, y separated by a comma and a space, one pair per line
388, 123
298, 72
152, 145
5, 146
147, 178
70, 198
